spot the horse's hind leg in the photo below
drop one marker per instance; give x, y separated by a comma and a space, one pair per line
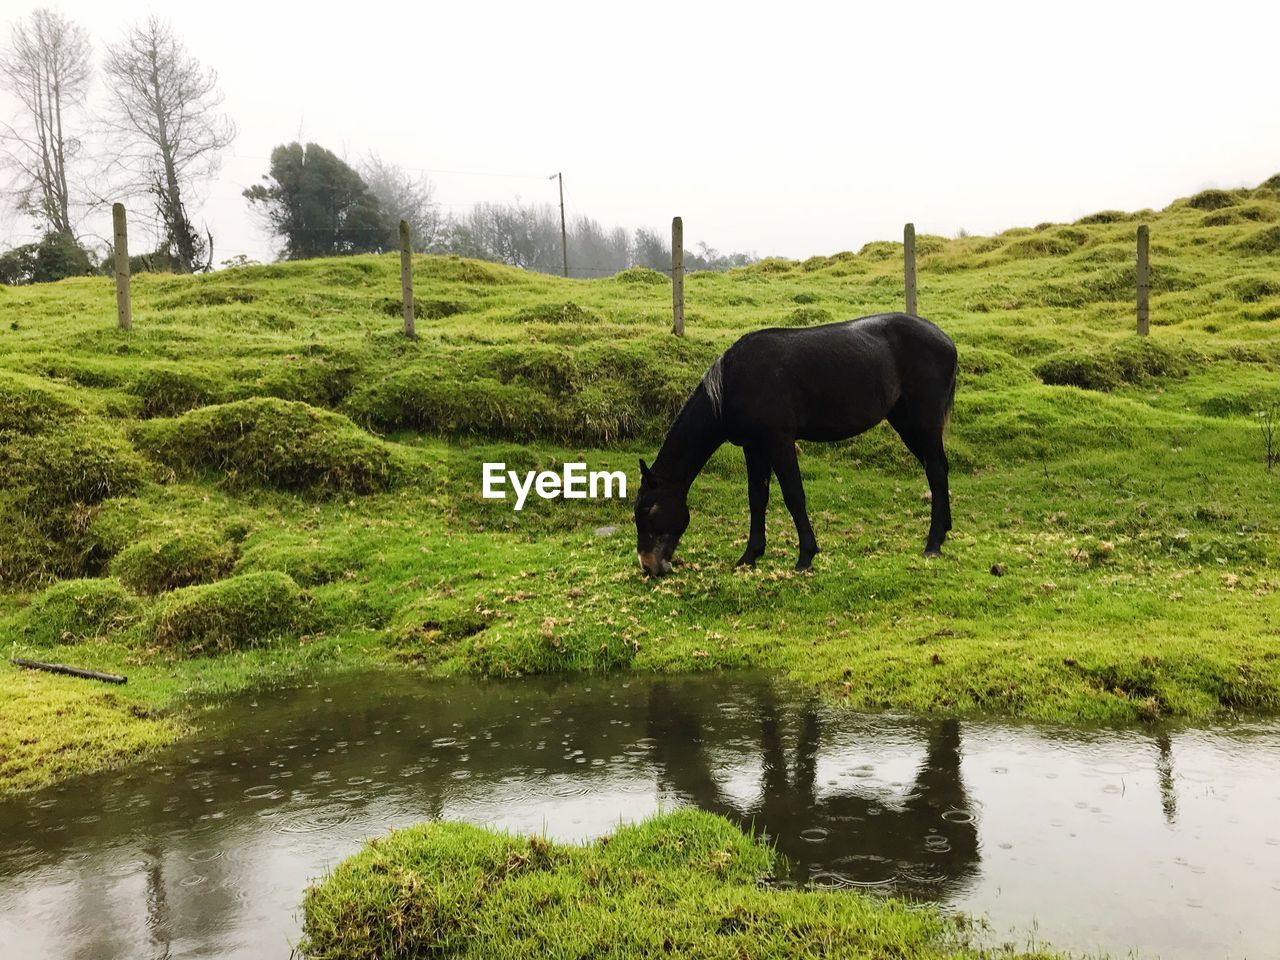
925, 441
782, 454
758, 499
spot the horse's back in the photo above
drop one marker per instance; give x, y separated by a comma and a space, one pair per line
837, 379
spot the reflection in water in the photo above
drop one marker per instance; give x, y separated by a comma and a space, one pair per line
845, 834
205, 850
1164, 766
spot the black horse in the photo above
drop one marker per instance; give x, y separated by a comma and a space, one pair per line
779, 385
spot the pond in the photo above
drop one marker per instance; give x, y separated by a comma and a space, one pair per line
1163, 839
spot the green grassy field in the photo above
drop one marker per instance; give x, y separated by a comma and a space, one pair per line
265, 478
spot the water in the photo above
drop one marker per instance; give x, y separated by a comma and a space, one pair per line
1164, 840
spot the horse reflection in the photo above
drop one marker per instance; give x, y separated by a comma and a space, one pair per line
923, 842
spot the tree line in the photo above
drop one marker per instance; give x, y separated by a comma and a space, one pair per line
163, 132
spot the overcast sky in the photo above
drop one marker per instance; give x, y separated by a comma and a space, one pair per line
788, 128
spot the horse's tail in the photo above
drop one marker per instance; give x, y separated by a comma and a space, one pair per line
951, 399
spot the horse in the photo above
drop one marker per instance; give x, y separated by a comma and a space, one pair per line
778, 385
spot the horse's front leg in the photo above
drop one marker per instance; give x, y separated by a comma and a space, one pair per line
758, 499
783, 456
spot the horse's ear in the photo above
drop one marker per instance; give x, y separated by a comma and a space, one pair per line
645, 471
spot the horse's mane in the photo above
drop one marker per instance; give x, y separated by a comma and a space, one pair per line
713, 383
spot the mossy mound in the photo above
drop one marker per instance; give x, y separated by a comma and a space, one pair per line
601, 392
1263, 243
645, 276
66, 466
276, 443
28, 405
808, 317
169, 391
684, 884
567, 312
76, 610
1059, 243
180, 560
1125, 362
1212, 200
245, 611
1105, 216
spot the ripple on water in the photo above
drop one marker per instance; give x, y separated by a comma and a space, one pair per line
957, 816
348, 796
193, 881
312, 823
205, 856
814, 834
264, 791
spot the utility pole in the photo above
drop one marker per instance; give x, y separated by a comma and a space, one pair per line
564, 242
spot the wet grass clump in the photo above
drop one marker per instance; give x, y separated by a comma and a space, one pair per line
30, 404
250, 610
179, 560
1265, 242
1123, 363
168, 391
684, 884
268, 442
73, 611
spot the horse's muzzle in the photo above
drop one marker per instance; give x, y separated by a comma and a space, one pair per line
653, 563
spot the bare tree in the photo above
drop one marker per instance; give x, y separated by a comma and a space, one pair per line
165, 111
403, 196
47, 69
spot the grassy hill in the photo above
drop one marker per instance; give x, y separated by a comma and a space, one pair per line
264, 477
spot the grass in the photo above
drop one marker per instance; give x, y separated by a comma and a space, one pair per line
683, 884
264, 478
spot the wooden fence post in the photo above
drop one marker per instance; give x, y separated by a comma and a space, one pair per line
909, 266
1144, 281
124, 309
406, 279
677, 276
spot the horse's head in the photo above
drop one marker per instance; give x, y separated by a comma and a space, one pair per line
661, 518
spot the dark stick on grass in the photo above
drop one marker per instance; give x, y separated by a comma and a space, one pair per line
69, 671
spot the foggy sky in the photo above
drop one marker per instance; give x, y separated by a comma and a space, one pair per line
791, 129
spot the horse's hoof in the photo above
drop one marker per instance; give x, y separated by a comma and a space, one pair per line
803, 564
933, 554
745, 561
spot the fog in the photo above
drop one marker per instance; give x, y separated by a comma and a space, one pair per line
790, 130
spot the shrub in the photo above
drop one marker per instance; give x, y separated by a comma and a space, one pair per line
245, 611
76, 610
168, 391
177, 561
804, 297
276, 443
